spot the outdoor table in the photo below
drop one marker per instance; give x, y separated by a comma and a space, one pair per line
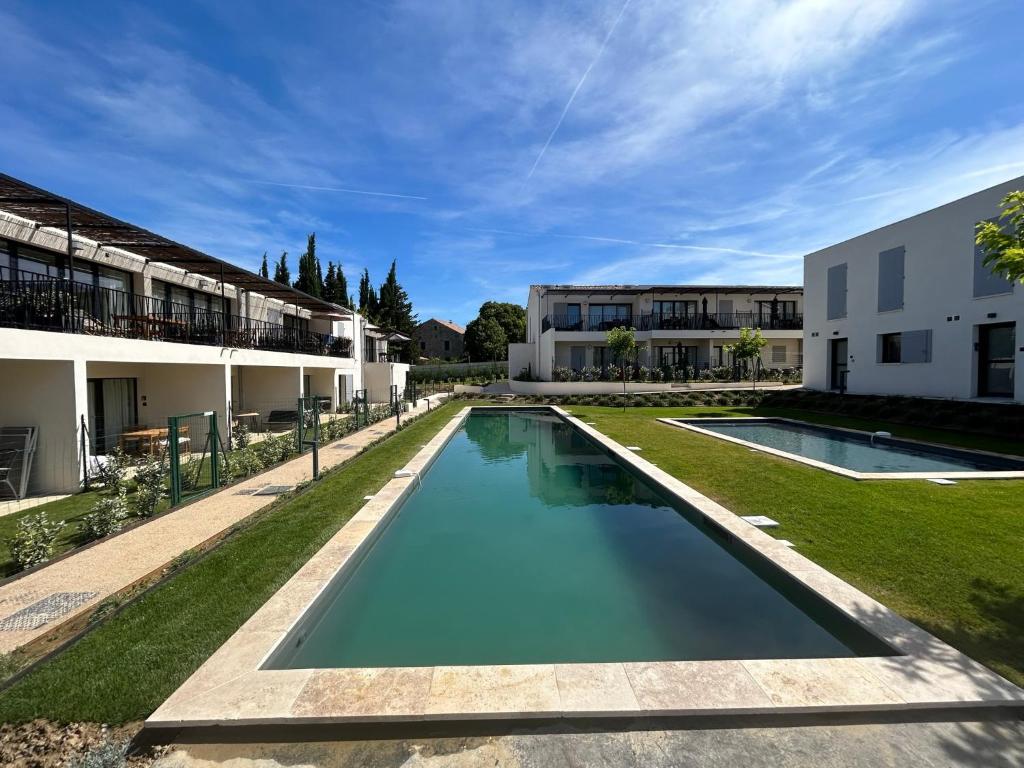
254, 416
149, 437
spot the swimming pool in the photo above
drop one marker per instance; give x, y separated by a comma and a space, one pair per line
860, 453
527, 543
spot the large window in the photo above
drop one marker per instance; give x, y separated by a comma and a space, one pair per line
890, 345
675, 355
176, 300
675, 308
603, 316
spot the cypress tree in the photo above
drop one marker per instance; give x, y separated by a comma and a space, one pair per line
281, 273
264, 270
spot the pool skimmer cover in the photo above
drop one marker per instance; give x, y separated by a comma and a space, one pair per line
941, 481
760, 521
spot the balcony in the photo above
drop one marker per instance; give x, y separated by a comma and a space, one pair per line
43, 303
655, 322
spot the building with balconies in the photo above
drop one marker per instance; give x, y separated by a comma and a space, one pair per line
677, 326
107, 329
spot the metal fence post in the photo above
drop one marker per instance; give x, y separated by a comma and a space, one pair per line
175, 460
214, 447
85, 456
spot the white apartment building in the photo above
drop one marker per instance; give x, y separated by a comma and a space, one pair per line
909, 309
107, 329
675, 325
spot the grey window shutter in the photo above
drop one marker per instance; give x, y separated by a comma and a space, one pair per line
890, 279
916, 347
837, 291
985, 282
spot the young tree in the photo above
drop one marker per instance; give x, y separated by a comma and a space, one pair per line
486, 340
622, 343
264, 270
1003, 243
748, 347
281, 273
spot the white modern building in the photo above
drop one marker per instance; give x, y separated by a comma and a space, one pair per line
107, 329
675, 325
909, 309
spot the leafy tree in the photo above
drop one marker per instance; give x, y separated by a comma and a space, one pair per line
486, 340
310, 279
748, 347
264, 270
1004, 250
511, 318
281, 273
622, 343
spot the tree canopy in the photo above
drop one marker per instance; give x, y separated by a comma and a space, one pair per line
481, 337
1003, 243
281, 273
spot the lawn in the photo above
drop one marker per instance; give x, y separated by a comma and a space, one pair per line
949, 558
123, 670
69, 511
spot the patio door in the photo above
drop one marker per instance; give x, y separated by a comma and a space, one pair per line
112, 409
839, 363
577, 358
996, 349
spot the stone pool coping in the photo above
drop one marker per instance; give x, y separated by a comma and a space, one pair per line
232, 688
693, 425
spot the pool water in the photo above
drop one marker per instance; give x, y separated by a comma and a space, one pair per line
528, 543
852, 451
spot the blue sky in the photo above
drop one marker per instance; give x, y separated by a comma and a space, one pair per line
515, 143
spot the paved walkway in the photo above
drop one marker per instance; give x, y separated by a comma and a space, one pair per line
36, 604
984, 744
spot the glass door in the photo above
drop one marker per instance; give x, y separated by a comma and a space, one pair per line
839, 364
996, 349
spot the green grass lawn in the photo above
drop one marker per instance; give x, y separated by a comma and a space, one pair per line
69, 511
123, 670
949, 558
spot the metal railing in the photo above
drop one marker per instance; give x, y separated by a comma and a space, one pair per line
40, 302
659, 322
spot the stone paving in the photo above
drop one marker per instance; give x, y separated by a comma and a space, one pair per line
117, 563
974, 744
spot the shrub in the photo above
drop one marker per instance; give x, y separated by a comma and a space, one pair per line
32, 543
109, 754
240, 435
107, 517
112, 472
149, 486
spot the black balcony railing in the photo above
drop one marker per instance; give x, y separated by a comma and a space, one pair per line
656, 322
45, 303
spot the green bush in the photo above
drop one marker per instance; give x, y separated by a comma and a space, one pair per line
150, 475
32, 544
112, 473
108, 516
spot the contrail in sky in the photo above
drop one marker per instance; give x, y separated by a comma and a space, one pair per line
339, 189
576, 90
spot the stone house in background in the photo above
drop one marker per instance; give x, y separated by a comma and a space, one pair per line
440, 339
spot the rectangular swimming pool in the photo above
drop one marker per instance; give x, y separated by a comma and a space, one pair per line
853, 450
527, 543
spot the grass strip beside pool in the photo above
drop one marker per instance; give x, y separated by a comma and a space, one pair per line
948, 558
123, 670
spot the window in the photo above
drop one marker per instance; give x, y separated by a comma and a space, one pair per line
890, 279
778, 354
447, 346
605, 316
675, 355
836, 279
675, 308
423, 346
890, 345
986, 283
783, 310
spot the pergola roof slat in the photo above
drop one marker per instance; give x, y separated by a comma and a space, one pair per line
50, 210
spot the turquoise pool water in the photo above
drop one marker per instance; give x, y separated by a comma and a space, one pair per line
852, 451
527, 543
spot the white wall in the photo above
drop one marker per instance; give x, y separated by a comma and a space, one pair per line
379, 377
938, 288
521, 356
44, 395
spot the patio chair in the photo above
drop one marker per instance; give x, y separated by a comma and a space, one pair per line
280, 421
